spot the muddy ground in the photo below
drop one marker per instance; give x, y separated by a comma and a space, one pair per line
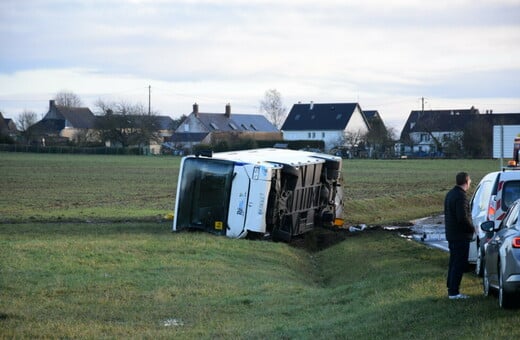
428, 230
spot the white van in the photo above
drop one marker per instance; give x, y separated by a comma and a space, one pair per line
493, 196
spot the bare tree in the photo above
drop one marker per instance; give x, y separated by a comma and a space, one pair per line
25, 120
380, 138
273, 107
67, 98
126, 124
355, 142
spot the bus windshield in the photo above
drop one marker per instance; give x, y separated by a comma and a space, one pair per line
204, 194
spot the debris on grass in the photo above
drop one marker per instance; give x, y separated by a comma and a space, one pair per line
173, 322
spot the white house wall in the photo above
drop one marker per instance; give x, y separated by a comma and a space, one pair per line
330, 138
503, 138
356, 124
192, 124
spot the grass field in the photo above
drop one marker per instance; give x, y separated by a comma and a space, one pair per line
49, 187
124, 274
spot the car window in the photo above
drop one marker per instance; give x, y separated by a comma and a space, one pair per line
484, 196
511, 193
480, 200
512, 216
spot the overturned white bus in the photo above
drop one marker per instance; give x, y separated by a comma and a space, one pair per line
278, 192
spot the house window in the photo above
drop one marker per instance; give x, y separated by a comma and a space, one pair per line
314, 135
297, 117
425, 137
323, 135
186, 127
338, 116
309, 135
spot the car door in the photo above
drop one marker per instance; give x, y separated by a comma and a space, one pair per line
479, 205
493, 246
480, 202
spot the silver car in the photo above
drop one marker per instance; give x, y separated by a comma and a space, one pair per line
502, 258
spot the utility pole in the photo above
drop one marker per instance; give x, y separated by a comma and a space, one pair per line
149, 99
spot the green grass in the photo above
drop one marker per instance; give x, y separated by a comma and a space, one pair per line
48, 187
128, 280
389, 191
85, 253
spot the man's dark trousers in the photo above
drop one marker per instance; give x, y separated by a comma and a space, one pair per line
459, 251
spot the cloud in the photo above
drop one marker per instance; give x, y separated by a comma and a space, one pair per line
214, 51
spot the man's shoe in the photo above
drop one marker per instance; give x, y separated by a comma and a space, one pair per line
458, 297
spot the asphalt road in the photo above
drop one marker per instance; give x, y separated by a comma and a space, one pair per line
430, 231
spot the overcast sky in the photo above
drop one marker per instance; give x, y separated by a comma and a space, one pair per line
383, 54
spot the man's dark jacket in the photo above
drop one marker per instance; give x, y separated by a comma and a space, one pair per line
457, 217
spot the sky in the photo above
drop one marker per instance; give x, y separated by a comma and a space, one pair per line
384, 55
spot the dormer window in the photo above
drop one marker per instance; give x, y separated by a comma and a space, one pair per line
243, 126
253, 127
233, 126
213, 126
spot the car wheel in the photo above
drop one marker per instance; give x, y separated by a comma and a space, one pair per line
485, 282
479, 261
505, 299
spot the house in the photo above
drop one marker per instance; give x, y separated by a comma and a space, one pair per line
63, 123
8, 127
209, 128
165, 126
380, 140
337, 124
427, 133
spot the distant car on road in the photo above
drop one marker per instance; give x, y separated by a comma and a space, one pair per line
493, 196
502, 258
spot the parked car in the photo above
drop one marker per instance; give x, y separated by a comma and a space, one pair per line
502, 258
493, 196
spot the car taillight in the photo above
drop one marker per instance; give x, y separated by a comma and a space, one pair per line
516, 242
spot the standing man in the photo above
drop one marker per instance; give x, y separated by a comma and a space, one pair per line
459, 233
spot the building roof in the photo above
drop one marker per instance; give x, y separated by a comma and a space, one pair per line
77, 117
439, 120
235, 122
332, 116
369, 114
231, 122
165, 122
503, 118
48, 126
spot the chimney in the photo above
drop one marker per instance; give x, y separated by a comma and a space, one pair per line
196, 109
228, 110
52, 103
